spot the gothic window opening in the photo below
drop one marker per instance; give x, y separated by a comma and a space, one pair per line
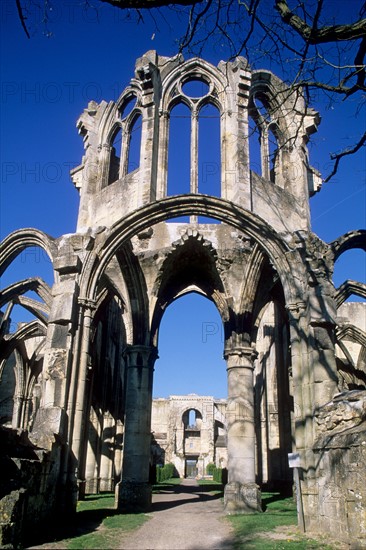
263, 140
7, 391
273, 151
19, 391
194, 142
209, 154
179, 156
255, 147
192, 420
115, 156
125, 142
134, 146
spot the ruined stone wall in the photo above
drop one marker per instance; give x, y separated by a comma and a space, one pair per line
28, 490
7, 392
337, 504
174, 441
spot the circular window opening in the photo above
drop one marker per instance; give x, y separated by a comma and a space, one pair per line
195, 88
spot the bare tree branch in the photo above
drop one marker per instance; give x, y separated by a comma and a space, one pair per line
140, 4
193, 25
338, 156
359, 64
313, 35
22, 17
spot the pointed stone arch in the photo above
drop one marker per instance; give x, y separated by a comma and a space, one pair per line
20, 287
346, 289
17, 241
348, 241
25, 332
190, 266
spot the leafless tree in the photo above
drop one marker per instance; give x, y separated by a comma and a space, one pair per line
316, 44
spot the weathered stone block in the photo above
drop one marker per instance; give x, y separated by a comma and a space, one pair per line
242, 498
62, 308
133, 496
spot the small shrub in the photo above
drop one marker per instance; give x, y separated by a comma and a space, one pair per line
210, 468
220, 475
217, 474
165, 472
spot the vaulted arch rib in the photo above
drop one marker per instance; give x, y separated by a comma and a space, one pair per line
346, 289
21, 287
17, 241
352, 239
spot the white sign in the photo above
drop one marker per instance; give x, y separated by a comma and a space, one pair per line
294, 460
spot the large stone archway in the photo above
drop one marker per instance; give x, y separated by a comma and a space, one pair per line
176, 258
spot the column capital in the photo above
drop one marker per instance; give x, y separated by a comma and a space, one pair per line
296, 309
140, 356
194, 113
240, 351
104, 147
87, 303
165, 114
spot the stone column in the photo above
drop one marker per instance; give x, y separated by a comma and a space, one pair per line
194, 158
324, 368
118, 450
104, 163
79, 439
242, 495
106, 459
264, 152
162, 173
301, 376
91, 467
133, 493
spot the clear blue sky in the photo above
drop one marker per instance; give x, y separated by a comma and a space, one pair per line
46, 84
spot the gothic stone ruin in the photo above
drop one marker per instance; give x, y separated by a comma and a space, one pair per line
76, 382
189, 431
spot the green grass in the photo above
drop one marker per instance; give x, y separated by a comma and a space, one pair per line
96, 502
257, 531
209, 486
166, 485
99, 525
109, 535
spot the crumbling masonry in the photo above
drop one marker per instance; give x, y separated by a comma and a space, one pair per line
76, 382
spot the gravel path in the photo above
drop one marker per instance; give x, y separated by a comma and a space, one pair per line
184, 518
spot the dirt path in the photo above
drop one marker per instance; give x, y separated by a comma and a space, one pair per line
184, 518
